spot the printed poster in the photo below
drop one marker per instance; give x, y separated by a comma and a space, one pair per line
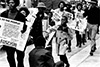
10, 34
56, 18
79, 25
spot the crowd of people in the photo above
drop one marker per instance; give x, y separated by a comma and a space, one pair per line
80, 19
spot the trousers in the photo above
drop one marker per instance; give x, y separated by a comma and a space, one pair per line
11, 56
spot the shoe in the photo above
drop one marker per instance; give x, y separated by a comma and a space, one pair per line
69, 50
91, 53
83, 43
79, 46
68, 65
93, 49
76, 45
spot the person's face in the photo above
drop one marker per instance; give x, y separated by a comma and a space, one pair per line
61, 5
41, 9
50, 15
84, 7
79, 7
23, 12
11, 4
63, 20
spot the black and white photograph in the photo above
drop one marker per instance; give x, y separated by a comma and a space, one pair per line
49, 33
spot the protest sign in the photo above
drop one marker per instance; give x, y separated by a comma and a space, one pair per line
52, 31
50, 38
79, 25
56, 18
82, 25
10, 34
68, 15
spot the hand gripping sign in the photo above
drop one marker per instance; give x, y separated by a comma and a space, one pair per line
10, 34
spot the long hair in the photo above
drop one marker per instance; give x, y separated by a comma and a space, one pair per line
79, 4
25, 9
60, 3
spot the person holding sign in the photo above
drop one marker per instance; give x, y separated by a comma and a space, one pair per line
14, 14
65, 34
80, 24
78, 16
57, 13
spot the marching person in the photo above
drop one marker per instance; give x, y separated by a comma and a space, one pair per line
60, 8
13, 13
37, 28
77, 16
59, 11
58, 14
70, 15
65, 33
24, 10
79, 19
93, 22
85, 9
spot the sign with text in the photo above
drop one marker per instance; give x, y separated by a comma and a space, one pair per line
79, 25
10, 34
57, 18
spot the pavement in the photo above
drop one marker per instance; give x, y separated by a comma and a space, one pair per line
79, 57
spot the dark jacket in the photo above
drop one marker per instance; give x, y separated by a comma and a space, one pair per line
40, 57
19, 17
93, 15
37, 26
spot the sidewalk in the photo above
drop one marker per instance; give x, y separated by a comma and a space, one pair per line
79, 57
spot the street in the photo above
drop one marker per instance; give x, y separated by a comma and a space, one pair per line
79, 57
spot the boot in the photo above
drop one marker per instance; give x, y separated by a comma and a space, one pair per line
93, 49
68, 65
91, 53
69, 49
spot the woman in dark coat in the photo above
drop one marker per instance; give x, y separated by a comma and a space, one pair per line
37, 26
